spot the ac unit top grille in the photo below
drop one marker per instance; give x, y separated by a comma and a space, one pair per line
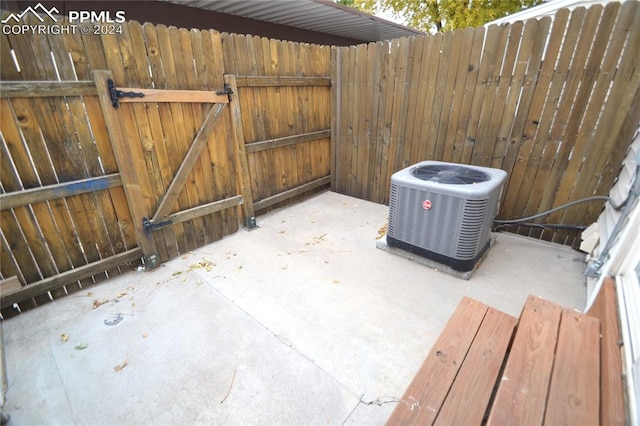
450, 174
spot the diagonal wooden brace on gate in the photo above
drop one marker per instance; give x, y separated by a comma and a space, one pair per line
179, 180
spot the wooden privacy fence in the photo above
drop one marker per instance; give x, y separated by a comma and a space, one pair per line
228, 126
554, 104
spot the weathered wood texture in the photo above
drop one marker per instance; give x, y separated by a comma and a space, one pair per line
66, 205
284, 115
562, 348
605, 308
552, 103
555, 366
455, 383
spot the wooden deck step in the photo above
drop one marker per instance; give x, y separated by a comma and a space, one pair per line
552, 372
605, 308
455, 382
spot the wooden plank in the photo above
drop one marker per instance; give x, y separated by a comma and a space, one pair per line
529, 127
162, 155
192, 156
464, 69
496, 56
617, 81
177, 51
57, 281
244, 182
214, 224
133, 176
574, 391
41, 89
103, 219
280, 81
286, 141
173, 95
52, 192
400, 106
199, 211
9, 285
205, 209
595, 86
336, 114
471, 392
570, 108
605, 308
452, 49
471, 85
430, 386
285, 195
225, 165
522, 396
365, 60
425, 147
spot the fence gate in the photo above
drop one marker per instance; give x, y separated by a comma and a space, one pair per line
121, 160
134, 171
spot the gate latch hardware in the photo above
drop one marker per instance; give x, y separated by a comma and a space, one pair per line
226, 91
116, 94
149, 226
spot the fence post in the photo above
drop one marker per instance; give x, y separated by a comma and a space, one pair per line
131, 174
244, 182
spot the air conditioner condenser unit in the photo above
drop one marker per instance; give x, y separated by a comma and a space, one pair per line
444, 211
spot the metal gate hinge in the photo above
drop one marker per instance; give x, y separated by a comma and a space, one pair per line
149, 226
116, 94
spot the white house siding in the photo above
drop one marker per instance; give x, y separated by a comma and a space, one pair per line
623, 263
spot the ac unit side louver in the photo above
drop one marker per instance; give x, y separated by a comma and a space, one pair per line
444, 211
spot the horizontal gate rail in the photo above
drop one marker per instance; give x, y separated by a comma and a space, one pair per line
52, 192
199, 211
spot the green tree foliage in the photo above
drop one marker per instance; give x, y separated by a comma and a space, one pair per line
444, 15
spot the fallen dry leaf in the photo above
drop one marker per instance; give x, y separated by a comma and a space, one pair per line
121, 366
64, 337
97, 303
382, 231
81, 346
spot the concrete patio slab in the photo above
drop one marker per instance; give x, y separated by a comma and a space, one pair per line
302, 321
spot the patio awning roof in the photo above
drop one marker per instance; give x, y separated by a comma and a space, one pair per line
322, 16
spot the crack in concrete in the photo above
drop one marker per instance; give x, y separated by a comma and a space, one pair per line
380, 401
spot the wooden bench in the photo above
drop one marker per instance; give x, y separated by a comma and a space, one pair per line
553, 365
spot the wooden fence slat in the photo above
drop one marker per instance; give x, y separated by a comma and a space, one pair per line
571, 154
463, 69
589, 156
567, 118
452, 50
159, 156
